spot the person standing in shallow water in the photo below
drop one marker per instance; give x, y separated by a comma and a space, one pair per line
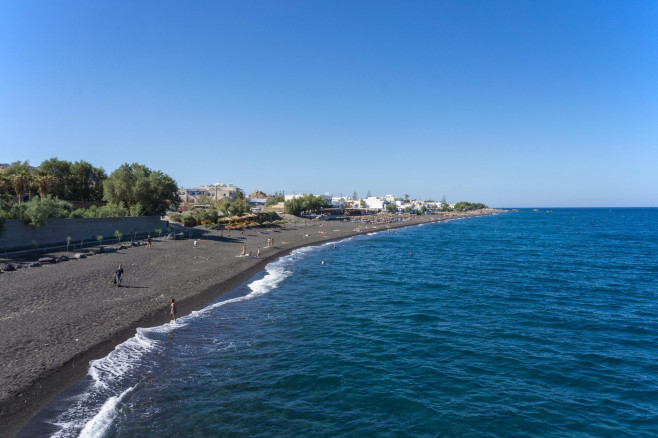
117, 275
172, 309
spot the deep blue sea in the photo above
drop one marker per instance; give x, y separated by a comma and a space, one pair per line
522, 324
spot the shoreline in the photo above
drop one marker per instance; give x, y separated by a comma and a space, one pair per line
50, 309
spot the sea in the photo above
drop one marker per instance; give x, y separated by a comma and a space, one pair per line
528, 323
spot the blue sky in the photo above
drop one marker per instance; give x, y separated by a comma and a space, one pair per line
509, 103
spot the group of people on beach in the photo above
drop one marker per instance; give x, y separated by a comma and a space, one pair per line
244, 251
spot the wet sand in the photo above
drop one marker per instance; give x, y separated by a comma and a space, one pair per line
58, 317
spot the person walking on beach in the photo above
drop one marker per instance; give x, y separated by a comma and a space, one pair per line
148, 242
244, 250
172, 309
117, 276
258, 253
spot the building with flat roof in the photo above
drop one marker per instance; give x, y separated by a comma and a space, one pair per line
216, 192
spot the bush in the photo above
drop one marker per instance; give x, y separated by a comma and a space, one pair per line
176, 217
136, 209
91, 212
112, 210
37, 212
202, 215
78, 213
239, 207
188, 219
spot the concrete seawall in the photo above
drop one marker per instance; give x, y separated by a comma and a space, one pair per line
16, 235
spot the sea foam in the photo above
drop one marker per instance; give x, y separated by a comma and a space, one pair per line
92, 412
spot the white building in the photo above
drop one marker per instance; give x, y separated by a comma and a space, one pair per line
374, 203
215, 192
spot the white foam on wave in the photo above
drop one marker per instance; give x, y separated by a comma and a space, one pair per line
99, 424
127, 359
124, 358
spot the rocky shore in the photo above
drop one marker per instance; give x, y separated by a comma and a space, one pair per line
63, 311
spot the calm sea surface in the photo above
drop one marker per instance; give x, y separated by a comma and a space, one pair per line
528, 323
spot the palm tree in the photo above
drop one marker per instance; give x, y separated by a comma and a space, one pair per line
45, 182
20, 182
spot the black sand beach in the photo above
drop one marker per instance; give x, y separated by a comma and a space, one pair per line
58, 317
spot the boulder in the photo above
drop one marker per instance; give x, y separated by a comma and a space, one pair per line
80, 255
63, 259
46, 260
34, 265
8, 267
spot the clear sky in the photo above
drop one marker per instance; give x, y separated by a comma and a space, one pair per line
510, 103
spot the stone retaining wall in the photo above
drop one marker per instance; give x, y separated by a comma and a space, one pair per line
18, 236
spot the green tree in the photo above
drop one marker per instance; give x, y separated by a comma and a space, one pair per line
18, 179
37, 212
468, 206
85, 182
445, 206
304, 203
204, 214
133, 184
60, 170
21, 182
111, 210
238, 207
391, 207
79, 181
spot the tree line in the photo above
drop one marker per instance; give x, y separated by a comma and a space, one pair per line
59, 188
468, 206
306, 203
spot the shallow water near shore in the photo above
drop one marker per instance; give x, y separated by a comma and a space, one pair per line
528, 323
